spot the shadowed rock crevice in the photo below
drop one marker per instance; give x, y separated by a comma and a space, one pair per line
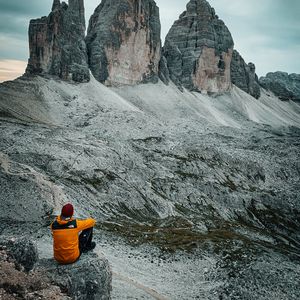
56, 43
244, 76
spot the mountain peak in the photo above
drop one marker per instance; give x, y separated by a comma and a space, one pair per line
55, 5
198, 50
57, 44
124, 43
201, 8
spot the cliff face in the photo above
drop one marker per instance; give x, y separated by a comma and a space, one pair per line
57, 45
198, 50
124, 43
123, 47
244, 76
285, 86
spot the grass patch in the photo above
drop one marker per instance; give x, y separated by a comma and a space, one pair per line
171, 234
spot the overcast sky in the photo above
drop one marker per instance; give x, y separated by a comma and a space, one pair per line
266, 32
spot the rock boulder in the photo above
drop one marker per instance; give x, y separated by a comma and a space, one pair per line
22, 250
18, 280
198, 50
123, 41
89, 278
57, 45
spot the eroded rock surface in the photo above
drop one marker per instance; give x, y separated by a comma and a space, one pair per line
88, 278
285, 86
17, 279
198, 50
57, 45
243, 75
22, 250
123, 42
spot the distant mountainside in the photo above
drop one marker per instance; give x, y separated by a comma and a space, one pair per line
57, 45
195, 172
285, 86
123, 47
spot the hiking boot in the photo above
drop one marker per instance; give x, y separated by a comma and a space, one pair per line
91, 246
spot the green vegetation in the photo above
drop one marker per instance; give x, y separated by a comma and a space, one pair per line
172, 234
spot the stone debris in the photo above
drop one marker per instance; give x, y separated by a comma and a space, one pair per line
18, 280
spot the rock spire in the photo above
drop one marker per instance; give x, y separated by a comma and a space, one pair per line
198, 50
123, 42
243, 75
57, 45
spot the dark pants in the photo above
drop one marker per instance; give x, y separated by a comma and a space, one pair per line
85, 240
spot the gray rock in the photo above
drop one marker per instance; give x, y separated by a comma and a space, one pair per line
198, 49
57, 44
24, 251
285, 86
123, 41
244, 76
87, 279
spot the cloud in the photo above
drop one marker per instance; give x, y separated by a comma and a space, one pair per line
25, 8
11, 69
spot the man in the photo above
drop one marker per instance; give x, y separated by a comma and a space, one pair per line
68, 242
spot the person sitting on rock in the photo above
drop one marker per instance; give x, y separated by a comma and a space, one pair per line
71, 237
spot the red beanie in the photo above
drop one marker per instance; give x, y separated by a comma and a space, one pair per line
67, 211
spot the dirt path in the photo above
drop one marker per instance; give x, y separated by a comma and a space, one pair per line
140, 286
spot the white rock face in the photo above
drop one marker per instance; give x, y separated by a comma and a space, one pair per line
208, 76
130, 64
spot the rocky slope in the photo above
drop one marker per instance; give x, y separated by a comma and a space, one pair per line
283, 85
157, 166
123, 42
198, 50
25, 276
243, 75
57, 44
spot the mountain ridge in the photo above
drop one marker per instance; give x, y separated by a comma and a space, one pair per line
123, 46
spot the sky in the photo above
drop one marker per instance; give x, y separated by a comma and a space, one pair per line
265, 32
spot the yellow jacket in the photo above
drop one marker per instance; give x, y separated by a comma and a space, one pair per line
66, 238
